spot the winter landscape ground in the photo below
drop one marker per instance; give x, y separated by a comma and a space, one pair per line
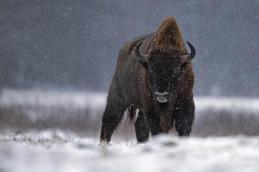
62, 152
58, 131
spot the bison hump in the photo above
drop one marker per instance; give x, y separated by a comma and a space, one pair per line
169, 35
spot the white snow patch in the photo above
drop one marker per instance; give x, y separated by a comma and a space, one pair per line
66, 152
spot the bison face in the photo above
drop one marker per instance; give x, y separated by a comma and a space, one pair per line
163, 77
164, 70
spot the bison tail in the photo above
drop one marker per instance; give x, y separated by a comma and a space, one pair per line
132, 115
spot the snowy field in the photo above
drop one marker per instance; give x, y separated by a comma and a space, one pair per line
48, 131
55, 151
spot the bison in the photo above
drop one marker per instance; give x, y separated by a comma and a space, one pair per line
153, 77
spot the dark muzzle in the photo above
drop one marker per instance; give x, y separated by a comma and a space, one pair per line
162, 97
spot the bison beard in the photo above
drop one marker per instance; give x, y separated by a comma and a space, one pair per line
154, 75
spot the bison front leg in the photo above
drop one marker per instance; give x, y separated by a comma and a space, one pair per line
184, 116
112, 116
141, 127
154, 126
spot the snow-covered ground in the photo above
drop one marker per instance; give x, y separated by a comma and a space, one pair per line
49, 131
57, 151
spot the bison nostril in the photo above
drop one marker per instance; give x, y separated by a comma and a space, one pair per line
161, 97
161, 93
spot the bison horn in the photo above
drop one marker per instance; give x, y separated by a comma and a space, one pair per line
188, 58
141, 57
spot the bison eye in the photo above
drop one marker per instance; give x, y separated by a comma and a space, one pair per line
144, 64
177, 70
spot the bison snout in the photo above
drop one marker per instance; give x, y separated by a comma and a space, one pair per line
161, 97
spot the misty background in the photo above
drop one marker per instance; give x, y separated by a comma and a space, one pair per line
73, 45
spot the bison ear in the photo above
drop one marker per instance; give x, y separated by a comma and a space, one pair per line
143, 62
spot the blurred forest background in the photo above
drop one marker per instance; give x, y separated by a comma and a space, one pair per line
73, 45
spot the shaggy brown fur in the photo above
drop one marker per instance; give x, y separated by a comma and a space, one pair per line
169, 35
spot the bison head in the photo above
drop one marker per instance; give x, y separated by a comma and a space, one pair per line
164, 70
